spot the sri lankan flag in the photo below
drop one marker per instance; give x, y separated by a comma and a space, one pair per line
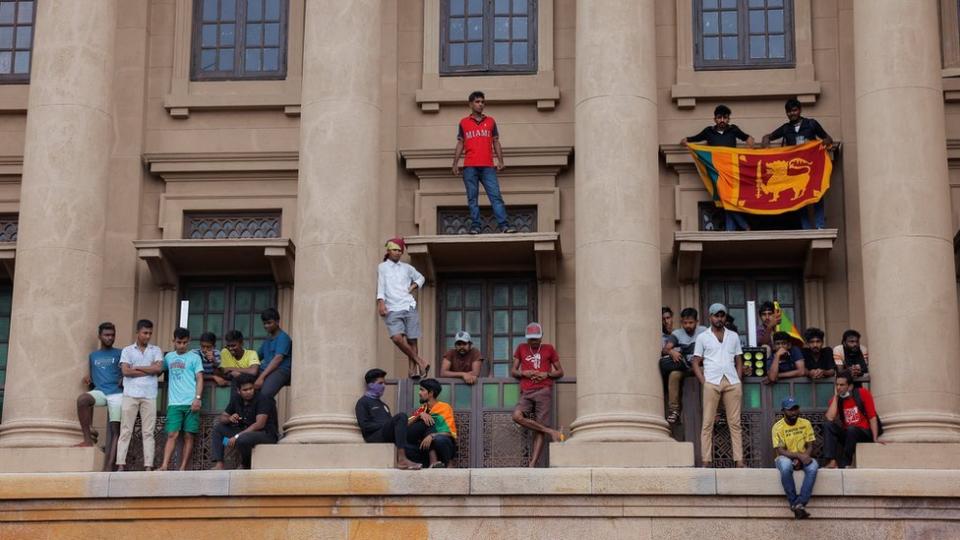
786, 325
764, 181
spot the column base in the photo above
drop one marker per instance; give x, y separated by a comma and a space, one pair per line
621, 454
324, 456
51, 459
908, 456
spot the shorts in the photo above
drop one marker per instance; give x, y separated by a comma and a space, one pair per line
536, 403
113, 402
405, 322
181, 418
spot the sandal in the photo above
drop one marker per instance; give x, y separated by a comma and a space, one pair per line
673, 417
438, 465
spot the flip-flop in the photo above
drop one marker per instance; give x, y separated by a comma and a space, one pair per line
426, 370
412, 467
438, 465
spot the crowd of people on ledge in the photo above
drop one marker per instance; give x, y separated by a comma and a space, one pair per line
714, 355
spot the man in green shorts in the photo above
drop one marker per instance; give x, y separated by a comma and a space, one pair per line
105, 378
184, 388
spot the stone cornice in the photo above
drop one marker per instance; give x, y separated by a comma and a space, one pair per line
228, 165
435, 162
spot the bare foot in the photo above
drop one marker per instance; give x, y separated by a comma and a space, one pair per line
707, 464
740, 464
148, 469
218, 466
161, 468
83, 444
121, 468
407, 465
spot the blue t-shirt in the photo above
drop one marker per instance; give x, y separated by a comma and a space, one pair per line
789, 362
182, 372
280, 344
105, 370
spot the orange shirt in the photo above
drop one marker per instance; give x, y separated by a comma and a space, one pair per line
442, 414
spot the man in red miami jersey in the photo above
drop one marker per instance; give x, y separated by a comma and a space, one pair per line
477, 135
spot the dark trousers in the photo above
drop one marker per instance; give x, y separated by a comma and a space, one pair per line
394, 431
244, 444
444, 445
840, 443
274, 382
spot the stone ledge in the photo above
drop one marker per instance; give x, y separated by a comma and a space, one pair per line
52, 459
908, 456
324, 456
621, 454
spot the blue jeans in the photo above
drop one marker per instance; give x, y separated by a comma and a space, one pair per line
819, 219
472, 178
733, 220
785, 465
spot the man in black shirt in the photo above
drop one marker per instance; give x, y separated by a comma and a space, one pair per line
800, 130
376, 424
723, 133
819, 360
249, 419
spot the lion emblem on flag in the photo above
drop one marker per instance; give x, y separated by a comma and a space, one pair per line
781, 180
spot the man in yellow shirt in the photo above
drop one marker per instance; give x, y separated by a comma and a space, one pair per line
235, 359
793, 439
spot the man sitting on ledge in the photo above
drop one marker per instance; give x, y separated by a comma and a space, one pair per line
432, 426
851, 418
376, 424
249, 419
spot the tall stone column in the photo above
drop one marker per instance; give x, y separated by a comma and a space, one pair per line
619, 395
907, 238
334, 304
63, 208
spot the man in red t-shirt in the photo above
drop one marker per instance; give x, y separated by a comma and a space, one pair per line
846, 424
536, 364
477, 134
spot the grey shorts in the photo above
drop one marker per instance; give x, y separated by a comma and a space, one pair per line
405, 322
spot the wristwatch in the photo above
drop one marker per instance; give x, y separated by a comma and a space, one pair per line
237, 436
198, 398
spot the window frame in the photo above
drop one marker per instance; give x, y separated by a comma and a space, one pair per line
229, 285
743, 60
750, 280
489, 68
12, 77
238, 73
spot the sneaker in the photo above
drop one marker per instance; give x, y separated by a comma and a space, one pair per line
508, 230
474, 230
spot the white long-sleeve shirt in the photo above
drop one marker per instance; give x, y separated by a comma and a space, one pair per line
393, 285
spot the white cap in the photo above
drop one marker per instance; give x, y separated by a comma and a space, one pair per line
463, 336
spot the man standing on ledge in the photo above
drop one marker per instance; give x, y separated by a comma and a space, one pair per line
718, 365
105, 376
536, 364
793, 440
478, 135
396, 282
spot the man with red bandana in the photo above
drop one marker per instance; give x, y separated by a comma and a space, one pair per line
396, 282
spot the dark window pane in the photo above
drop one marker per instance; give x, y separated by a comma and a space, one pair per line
227, 34
711, 24
225, 62
474, 54
254, 35
21, 62
501, 28
209, 10
456, 30
502, 7
728, 4
271, 35
777, 49
711, 48
456, 7
475, 7
475, 28
520, 52
519, 6
6, 62
709, 4
758, 47
271, 59
519, 28
272, 10
208, 35
775, 20
23, 37
25, 13
501, 53
774, 3
7, 10
6, 37
254, 10
251, 61
729, 47
208, 62
757, 21
228, 10
756, 3
456, 54
729, 22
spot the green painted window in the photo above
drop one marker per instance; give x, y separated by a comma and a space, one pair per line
220, 306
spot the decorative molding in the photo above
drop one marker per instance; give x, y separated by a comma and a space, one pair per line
488, 252
169, 259
454, 221
231, 226
520, 161
11, 166
9, 226
8, 257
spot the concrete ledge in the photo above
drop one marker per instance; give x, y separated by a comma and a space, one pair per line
901, 483
621, 454
666, 481
908, 456
350, 482
767, 482
324, 456
46, 460
530, 481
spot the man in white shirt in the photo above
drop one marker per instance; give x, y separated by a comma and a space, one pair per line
718, 365
396, 282
140, 363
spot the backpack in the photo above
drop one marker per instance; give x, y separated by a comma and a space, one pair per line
855, 394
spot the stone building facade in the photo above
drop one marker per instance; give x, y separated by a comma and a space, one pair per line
245, 153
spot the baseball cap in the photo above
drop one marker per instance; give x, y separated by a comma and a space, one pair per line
717, 308
463, 336
788, 403
534, 331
